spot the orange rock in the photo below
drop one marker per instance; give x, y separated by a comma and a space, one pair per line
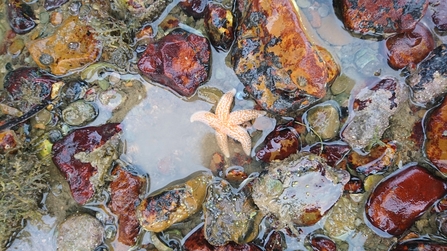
436, 133
71, 47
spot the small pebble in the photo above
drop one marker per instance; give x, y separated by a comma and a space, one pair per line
56, 18
16, 47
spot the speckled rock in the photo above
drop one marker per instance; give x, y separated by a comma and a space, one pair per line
173, 204
382, 16
429, 82
324, 119
377, 161
299, 190
230, 215
180, 61
79, 113
370, 112
20, 16
143, 10
439, 15
79, 232
421, 244
436, 137
71, 47
220, 26
278, 63
397, 201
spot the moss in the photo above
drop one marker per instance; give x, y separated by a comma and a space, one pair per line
22, 181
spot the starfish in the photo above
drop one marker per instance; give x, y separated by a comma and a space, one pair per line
228, 124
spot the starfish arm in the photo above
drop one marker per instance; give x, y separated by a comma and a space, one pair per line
207, 118
240, 134
222, 142
241, 116
224, 105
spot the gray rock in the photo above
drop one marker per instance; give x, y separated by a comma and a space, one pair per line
79, 233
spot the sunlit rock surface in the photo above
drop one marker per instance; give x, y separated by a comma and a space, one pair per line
299, 190
79, 232
436, 137
71, 47
379, 158
382, 16
279, 64
396, 202
180, 61
220, 25
429, 82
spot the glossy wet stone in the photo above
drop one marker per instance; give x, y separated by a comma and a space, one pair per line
320, 242
79, 232
8, 141
79, 113
379, 158
275, 241
20, 16
419, 245
180, 61
173, 204
428, 83
195, 8
277, 62
354, 186
53, 4
324, 120
72, 155
436, 137
370, 112
280, 143
332, 153
396, 202
125, 190
220, 25
299, 190
439, 15
382, 17
230, 215
197, 242
54, 52
409, 48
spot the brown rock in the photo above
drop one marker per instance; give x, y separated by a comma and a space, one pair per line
180, 61
72, 46
436, 137
219, 23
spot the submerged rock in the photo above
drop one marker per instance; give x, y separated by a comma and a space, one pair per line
79, 232
83, 162
370, 112
379, 158
71, 47
220, 25
173, 204
278, 63
324, 120
439, 15
230, 215
436, 137
382, 17
396, 202
79, 113
429, 82
421, 244
180, 61
20, 16
299, 190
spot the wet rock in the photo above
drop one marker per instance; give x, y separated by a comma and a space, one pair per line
56, 53
436, 137
332, 153
84, 157
398, 200
420, 245
320, 242
275, 241
342, 218
197, 242
354, 186
409, 48
299, 190
428, 82
370, 112
20, 16
124, 196
324, 119
230, 215
219, 23
53, 4
379, 158
195, 8
173, 204
28, 87
279, 65
382, 17
79, 113
143, 10
280, 143
8, 141
79, 232
439, 15
180, 61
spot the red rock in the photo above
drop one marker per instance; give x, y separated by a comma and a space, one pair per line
419, 245
320, 242
8, 141
275, 59
382, 16
124, 195
219, 23
20, 16
76, 172
197, 242
436, 133
409, 48
396, 202
378, 159
354, 185
180, 61
275, 241
332, 153
195, 8
280, 143
439, 15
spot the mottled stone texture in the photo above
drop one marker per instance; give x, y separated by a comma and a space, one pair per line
436, 137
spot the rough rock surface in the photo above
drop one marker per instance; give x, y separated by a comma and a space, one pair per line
436, 137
